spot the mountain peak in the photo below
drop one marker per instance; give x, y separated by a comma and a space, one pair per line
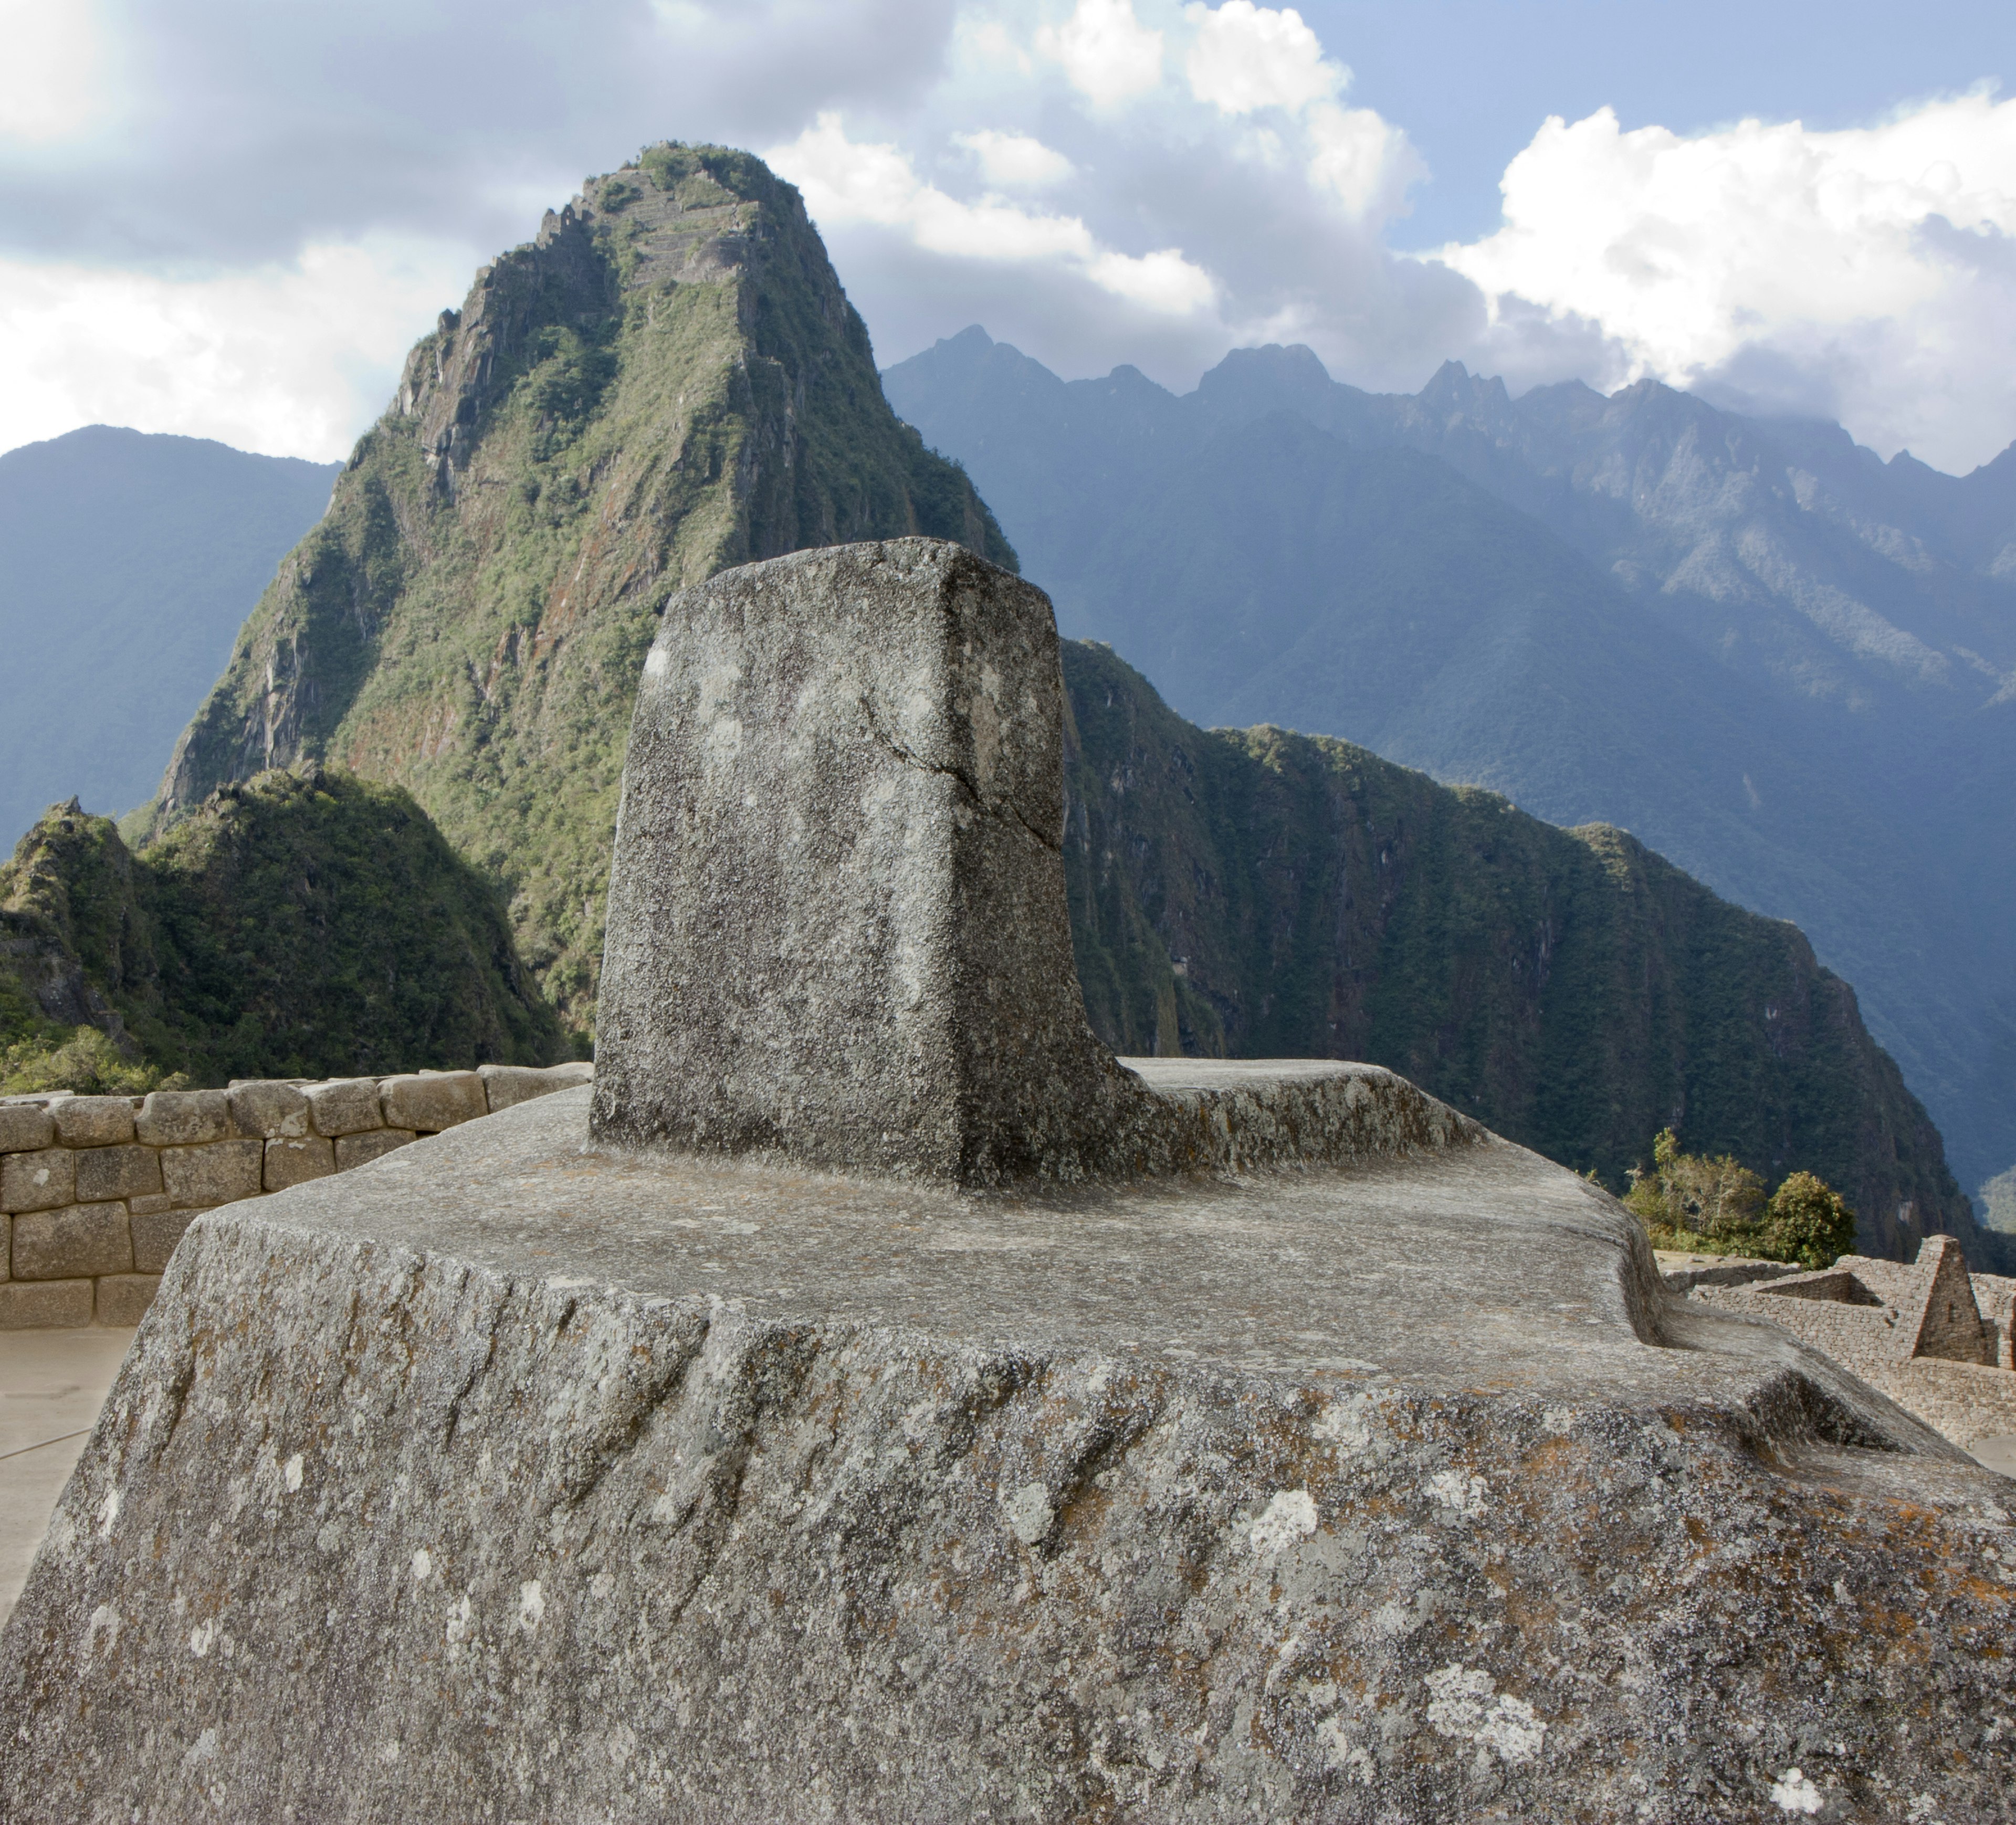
667, 381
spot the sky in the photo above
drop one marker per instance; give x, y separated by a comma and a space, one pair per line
230, 218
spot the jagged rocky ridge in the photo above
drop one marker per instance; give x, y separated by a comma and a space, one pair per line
1782, 663
1255, 893
667, 381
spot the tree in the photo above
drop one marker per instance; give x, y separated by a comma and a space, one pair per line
1700, 1202
1713, 1205
1807, 1221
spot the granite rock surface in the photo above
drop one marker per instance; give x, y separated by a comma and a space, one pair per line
836, 928
516, 1477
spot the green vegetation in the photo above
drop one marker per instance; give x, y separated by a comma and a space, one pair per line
670, 381
302, 925
1807, 1221
1715, 1206
1252, 893
45, 1058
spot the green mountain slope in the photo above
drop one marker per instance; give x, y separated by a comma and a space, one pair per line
1254, 893
305, 924
669, 380
131, 561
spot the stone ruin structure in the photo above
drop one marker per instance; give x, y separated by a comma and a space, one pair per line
1937, 1340
871, 1402
96, 1191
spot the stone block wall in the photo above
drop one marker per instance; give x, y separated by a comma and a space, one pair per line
95, 1191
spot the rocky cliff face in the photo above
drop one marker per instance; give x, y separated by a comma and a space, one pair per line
1253, 893
667, 381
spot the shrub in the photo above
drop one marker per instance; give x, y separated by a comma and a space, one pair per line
1714, 1200
87, 1062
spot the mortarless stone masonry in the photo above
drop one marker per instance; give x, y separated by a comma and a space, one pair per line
1937, 1340
87, 1226
1371, 1474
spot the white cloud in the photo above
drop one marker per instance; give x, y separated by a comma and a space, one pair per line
1165, 281
289, 360
1108, 56
1014, 161
846, 182
319, 220
1363, 160
990, 40
52, 73
1246, 57
1870, 274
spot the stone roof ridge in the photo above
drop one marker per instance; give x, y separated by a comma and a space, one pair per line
1942, 1319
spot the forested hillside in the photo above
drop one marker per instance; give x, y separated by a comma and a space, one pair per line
306, 924
1254, 893
668, 381
671, 381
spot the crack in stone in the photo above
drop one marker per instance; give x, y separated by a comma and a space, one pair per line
911, 759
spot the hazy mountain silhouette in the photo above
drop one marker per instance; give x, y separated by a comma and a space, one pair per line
1783, 664
131, 561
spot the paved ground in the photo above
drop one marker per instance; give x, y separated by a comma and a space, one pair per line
52, 1384
1998, 1454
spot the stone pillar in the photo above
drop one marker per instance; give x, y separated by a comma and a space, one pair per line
837, 925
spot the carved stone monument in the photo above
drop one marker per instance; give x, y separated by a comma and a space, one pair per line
882, 1405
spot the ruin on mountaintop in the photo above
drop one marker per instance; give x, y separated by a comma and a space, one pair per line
871, 1401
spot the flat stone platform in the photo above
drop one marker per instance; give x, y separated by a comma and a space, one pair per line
510, 1478
1482, 1266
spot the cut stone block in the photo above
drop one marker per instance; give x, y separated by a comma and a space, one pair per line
118, 1171
180, 1118
836, 928
360, 1149
80, 1240
44, 1305
39, 1181
269, 1108
6, 1247
430, 1101
294, 1162
123, 1299
93, 1121
155, 1235
345, 1106
224, 1170
506, 1085
24, 1128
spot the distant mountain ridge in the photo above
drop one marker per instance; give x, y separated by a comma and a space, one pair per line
131, 560
1779, 661
668, 381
